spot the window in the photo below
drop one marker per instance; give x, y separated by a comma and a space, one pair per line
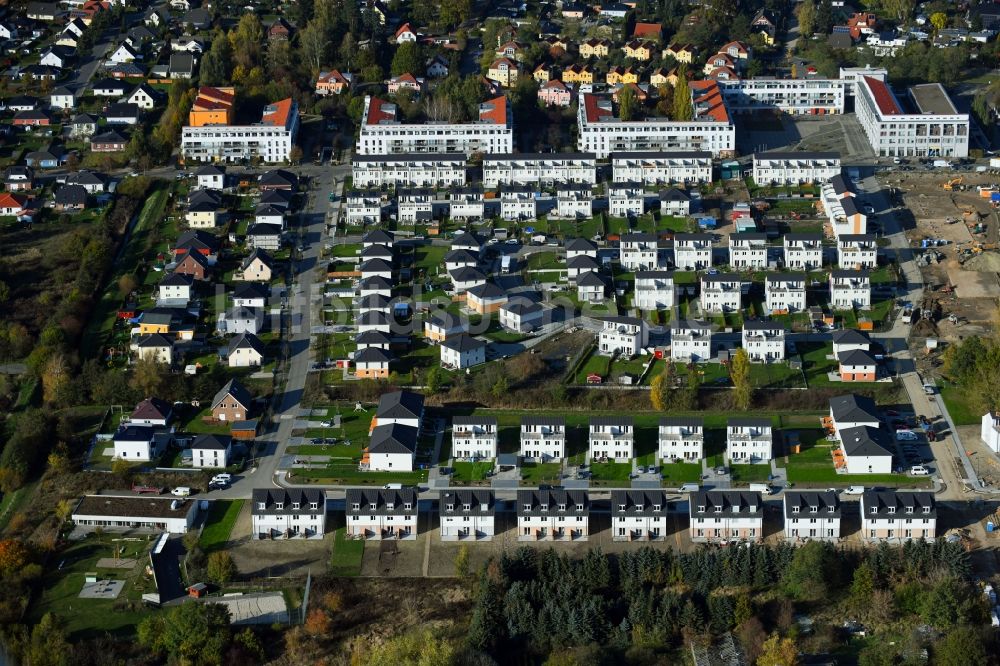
407, 506
279, 505
262, 505
795, 509
579, 507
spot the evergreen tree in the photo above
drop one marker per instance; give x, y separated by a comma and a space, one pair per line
683, 107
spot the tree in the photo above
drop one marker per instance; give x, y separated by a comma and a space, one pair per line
627, 104
659, 390
221, 567
420, 648
810, 575
899, 9
407, 59
807, 18
862, 586
190, 633
939, 20
215, 65
147, 377
13, 557
499, 388
295, 155
963, 646
48, 645
313, 44
824, 17
454, 12
683, 108
739, 373
318, 623
246, 40
778, 651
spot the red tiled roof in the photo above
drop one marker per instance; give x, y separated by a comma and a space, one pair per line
555, 83
707, 92
494, 111
884, 98
277, 114
376, 112
592, 110
8, 200
406, 78
404, 28
646, 30
216, 94
724, 73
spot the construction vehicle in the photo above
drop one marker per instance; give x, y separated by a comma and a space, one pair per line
950, 185
986, 191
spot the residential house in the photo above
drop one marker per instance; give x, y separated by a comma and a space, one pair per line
693, 252
233, 402
437, 67
681, 438
462, 351
288, 513
211, 451
82, 126
748, 251
654, 290
238, 320
181, 66
857, 251
155, 347
333, 82
124, 53
626, 336
555, 93
574, 201
579, 74
205, 209
406, 82
749, 440
866, 450
264, 236
639, 515
639, 251
803, 251
382, 513
256, 268
764, 341
364, 207
463, 279
467, 514
400, 407
785, 293
690, 341
194, 264
595, 48
684, 53
175, 288
897, 515
245, 350
70, 198
726, 516
626, 200
108, 142
611, 438
62, 97
279, 30
591, 287
853, 411
143, 97
794, 168
466, 203
92, 182
721, 293
129, 513
675, 203
405, 34
442, 325
639, 50
989, 431
850, 290
138, 443
474, 437
521, 315
812, 515
517, 203
553, 514
855, 359
414, 205
152, 412
32, 118
485, 299
504, 71
372, 362
19, 178
543, 438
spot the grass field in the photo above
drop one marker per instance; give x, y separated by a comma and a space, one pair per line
617, 474
350, 475
813, 466
533, 474
750, 473
958, 406
470, 472
677, 474
345, 559
219, 524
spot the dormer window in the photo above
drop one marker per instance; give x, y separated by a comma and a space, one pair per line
357, 507
372, 506
313, 505
927, 509
579, 507
718, 509
527, 507
621, 507
390, 506
407, 506
874, 510
279, 505
450, 507
261, 505
892, 509
467, 507
701, 508
562, 507
656, 507
909, 509
814, 509
295, 506
795, 509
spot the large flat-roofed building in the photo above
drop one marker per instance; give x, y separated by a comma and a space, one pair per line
383, 133
132, 512
791, 96
211, 137
784, 168
929, 125
850, 76
408, 170
711, 129
661, 168
539, 169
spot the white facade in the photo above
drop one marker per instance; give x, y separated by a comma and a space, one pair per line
726, 515
654, 290
210, 458
850, 290
690, 342
271, 143
639, 515
803, 252
898, 516
681, 439
542, 439
626, 336
764, 341
721, 293
792, 96
467, 515
785, 292
639, 252
811, 515
748, 251
749, 441
662, 168
462, 352
539, 169
611, 438
692, 252
280, 513
794, 168
518, 204
467, 205
989, 431
382, 513
413, 206
857, 251
574, 204
111, 513
626, 199
402, 170
363, 207
473, 437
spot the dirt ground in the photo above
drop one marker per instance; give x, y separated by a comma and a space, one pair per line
292, 557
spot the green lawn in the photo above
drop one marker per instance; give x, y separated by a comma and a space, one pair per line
610, 473
345, 559
219, 524
349, 475
469, 472
596, 364
545, 261
813, 466
750, 473
533, 474
429, 259
677, 474
958, 406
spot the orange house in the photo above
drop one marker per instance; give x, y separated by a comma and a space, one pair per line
213, 106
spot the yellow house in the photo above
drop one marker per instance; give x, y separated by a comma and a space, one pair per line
680, 52
595, 48
577, 74
662, 76
542, 73
630, 75
638, 50
614, 76
767, 37
148, 328
503, 71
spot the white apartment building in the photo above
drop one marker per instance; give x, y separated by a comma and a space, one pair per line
857, 251
403, 170
792, 96
553, 514
383, 134
841, 207
382, 513
764, 341
895, 516
931, 127
288, 513
812, 515
612, 438
785, 292
803, 251
693, 252
711, 130
269, 141
518, 203
543, 438
748, 251
989, 431
850, 290
690, 342
654, 290
626, 199
363, 207
626, 336
721, 293
639, 515
796, 168
681, 438
467, 514
662, 168
851, 75
414, 205
639, 252
749, 441
539, 169
726, 515
467, 204
574, 202
474, 437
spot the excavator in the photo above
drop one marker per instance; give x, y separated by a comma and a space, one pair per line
951, 184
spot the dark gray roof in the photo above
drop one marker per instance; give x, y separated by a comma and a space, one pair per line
378, 282
551, 499
286, 497
580, 245
793, 155
850, 336
373, 302
372, 251
661, 154
481, 502
134, 433
693, 237
463, 343
732, 502
257, 254
487, 290
804, 236
382, 498
373, 318
372, 355
152, 408
856, 357
543, 421
467, 274
209, 441
71, 195
372, 338
673, 194
461, 255
722, 277
854, 409
624, 421
900, 500
238, 392
446, 320
825, 501
474, 420
848, 274
393, 438
400, 405
591, 279
865, 441
246, 341
376, 265
689, 324
685, 421
785, 277
583, 261
378, 236
763, 326
639, 503
507, 157
177, 280
250, 290
843, 239
748, 422
154, 340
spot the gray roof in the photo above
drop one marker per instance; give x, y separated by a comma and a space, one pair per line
826, 501
550, 499
372, 355
474, 420
865, 441
382, 498
580, 245
883, 499
685, 421
848, 274
238, 392
543, 421
854, 409
152, 408
154, 340
481, 502
624, 421
639, 503
287, 497
400, 404
582, 261
850, 336
463, 343
856, 357
732, 502
590, 279
487, 290
134, 433
215, 442
246, 341
748, 422
393, 438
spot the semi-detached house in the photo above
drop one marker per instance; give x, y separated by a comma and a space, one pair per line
803, 251
721, 293
749, 440
850, 290
382, 513
693, 252
626, 336
748, 251
474, 437
690, 342
467, 514
857, 251
681, 438
611, 438
812, 515
555, 514
785, 293
764, 341
639, 251
543, 438
539, 169
639, 515
726, 515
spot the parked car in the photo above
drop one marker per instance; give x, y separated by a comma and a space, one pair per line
906, 436
181, 491
919, 470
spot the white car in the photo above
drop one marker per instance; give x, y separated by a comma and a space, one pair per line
919, 470
181, 491
222, 478
906, 436
493, 241
855, 490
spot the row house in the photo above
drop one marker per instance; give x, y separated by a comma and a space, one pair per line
681, 438
749, 440
662, 168
812, 515
414, 205
639, 515
639, 251
288, 513
626, 336
690, 342
840, 204
721, 293
405, 170
467, 204
626, 199
574, 201
467, 514
555, 514
543, 438
474, 437
803, 251
675, 203
782, 168
726, 515
612, 438
654, 290
693, 252
850, 290
785, 293
518, 203
857, 251
382, 513
539, 169
853, 351
363, 207
748, 251
895, 515
764, 341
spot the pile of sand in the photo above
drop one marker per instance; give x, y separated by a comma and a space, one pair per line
986, 262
